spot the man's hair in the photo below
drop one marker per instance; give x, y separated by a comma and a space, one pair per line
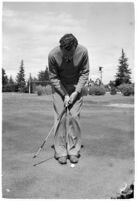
68, 41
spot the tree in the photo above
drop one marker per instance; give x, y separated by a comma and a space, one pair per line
21, 78
11, 81
4, 77
91, 82
112, 84
43, 75
98, 82
47, 74
123, 74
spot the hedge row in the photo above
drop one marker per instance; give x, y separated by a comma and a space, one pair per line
43, 90
125, 89
97, 90
14, 88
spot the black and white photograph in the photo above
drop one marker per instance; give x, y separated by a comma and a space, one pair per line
68, 82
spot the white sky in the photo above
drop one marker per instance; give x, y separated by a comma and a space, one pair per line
31, 30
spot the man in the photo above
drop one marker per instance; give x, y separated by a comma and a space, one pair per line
68, 72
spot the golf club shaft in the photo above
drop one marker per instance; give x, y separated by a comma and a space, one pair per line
43, 143
67, 125
58, 120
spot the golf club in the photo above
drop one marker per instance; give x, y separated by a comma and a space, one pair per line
58, 120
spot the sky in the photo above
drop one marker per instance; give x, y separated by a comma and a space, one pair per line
31, 30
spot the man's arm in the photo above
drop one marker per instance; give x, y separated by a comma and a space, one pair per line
54, 78
83, 77
84, 72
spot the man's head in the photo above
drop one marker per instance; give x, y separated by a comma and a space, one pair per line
68, 44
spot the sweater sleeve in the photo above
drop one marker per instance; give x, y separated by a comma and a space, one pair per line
53, 76
84, 72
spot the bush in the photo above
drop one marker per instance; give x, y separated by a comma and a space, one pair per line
48, 90
126, 89
26, 89
21, 89
97, 90
10, 88
113, 91
91, 90
40, 90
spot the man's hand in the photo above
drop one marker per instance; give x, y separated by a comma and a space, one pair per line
73, 97
66, 100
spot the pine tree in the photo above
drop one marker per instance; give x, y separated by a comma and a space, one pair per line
4, 77
11, 81
43, 75
47, 74
12, 86
21, 78
123, 74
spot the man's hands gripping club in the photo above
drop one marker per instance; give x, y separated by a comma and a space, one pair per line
70, 99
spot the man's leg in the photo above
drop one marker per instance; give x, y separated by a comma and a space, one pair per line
74, 131
70, 135
60, 130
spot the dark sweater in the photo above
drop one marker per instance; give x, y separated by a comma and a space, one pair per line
74, 73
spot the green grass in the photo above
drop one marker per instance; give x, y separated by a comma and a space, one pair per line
107, 159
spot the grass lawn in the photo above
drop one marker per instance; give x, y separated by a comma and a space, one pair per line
106, 162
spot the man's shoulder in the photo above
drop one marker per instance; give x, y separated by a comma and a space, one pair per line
54, 52
81, 51
81, 48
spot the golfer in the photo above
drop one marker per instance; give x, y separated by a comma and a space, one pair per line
68, 72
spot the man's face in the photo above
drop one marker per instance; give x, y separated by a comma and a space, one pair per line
67, 53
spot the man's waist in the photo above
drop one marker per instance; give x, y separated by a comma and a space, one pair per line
69, 81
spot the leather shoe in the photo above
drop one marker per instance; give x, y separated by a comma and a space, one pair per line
62, 160
73, 159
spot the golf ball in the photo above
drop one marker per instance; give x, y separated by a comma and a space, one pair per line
72, 165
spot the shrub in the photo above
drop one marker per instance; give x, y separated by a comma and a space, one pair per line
91, 90
97, 90
107, 88
10, 88
113, 91
126, 89
40, 90
26, 89
48, 90
21, 89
